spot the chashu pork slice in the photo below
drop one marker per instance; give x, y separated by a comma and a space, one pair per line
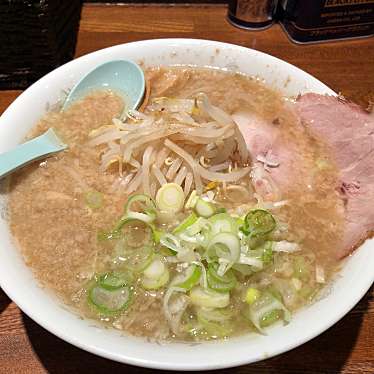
348, 131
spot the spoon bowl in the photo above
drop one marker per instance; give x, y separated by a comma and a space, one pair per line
123, 77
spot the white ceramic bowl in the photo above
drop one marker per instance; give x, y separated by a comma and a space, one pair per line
18, 282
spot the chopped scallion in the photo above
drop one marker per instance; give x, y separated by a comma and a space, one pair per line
170, 198
225, 245
115, 280
187, 222
209, 298
251, 295
204, 208
218, 283
190, 279
147, 205
109, 302
258, 222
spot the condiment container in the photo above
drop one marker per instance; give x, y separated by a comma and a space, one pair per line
252, 14
308, 21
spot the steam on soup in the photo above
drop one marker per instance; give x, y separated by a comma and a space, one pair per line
163, 225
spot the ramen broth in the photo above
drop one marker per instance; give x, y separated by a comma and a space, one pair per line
59, 206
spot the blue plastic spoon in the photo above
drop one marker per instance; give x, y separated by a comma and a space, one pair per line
123, 77
37, 148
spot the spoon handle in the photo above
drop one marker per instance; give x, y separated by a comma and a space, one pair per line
32, 150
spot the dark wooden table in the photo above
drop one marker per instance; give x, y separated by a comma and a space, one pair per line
347, 67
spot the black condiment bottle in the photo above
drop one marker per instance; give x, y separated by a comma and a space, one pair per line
252, 14
310, 21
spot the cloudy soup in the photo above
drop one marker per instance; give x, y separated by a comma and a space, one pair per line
207, 213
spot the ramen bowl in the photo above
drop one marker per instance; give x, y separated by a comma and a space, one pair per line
17, 280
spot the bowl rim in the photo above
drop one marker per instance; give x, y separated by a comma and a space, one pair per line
60, 332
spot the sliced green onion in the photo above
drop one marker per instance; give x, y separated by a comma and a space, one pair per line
149, 212
167, 251
146, 218
223, 222
218, 283
93, 199
155, 269
240, 221
204, 281
302, 269
221, 315
115, 280
156, 275
157, 234
204, 208
267, 254
191, 201
174, 315
156, 283
225, 245
258, 257
271, 317
187, 222
172, 242
209, 298
190, 279
214, 329
199, 225
137, 259
170, 197
110, 302
135, 234
252, 295
258, 222
252, 260
262, 311
128, 220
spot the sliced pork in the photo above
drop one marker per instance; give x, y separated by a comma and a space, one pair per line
280, 164
349, 133
277, 160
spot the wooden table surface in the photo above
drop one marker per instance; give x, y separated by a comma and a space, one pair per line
347, 67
